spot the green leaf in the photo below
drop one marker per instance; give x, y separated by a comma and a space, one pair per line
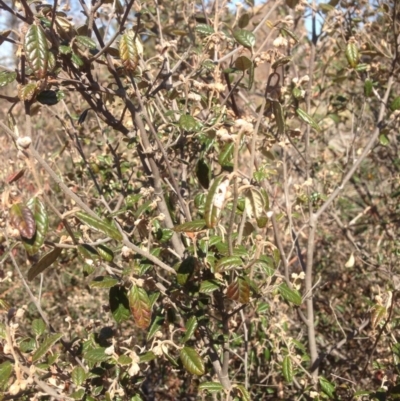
327, 387
395, 105
288, 32
96, 355
368, 87
279, 117
6, 77
308, 119
45, 261
281, 61
211, 387
228, 262
352, 53
208, 286
27, 92
102, 226
287, 369
205, 29
6, 368
86, 42
191, 226
226, 155
158, 322
119, 304
78, 376
244, 20
36, 50
77, 60
48, 97
38, 327
147, 357
190, 326
186, 269
292, 296
187, 122
65, 50
105, 253
383, 139
251, 76
103, 282
78, 394
139, 303
128, 52
191, 361
243, 63
45, 346
124, 360
245, 38
40, 215
245, 394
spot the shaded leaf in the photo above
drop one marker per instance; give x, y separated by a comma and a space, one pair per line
100, 225
45, 346
119, 304
395, 105
243, 63
103, 282
203, 173
21, 218
190, 327
48, 97
279, 117
245, 38
239, 291
244, 20
251, 76
158, 322
186, 269
140, 306
77, 60
105, 253
47, 260
147, 357
65, 49
378, 313
192, 361
281, 61
36, 50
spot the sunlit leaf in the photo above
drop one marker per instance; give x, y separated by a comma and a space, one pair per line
352, 53
308, 119
103, 282
211, 387
204, 29
6, 77
105, 253
45, 346
128, 52
327, 387
290, 295
140, 306
33, 245
187, 122
215, 200
86, 41
36, 50
378, 313
27, 92
245, 395
228, 262
6, 369
190, 327
239, 291
245, 38
287, 369
208, 286
38, 327
100, 225
96, 355
192, 361
22, 218
78, 376
191, 226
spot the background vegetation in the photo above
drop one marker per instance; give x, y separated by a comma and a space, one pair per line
200, 200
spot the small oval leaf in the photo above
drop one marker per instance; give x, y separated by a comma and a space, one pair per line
192, 361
